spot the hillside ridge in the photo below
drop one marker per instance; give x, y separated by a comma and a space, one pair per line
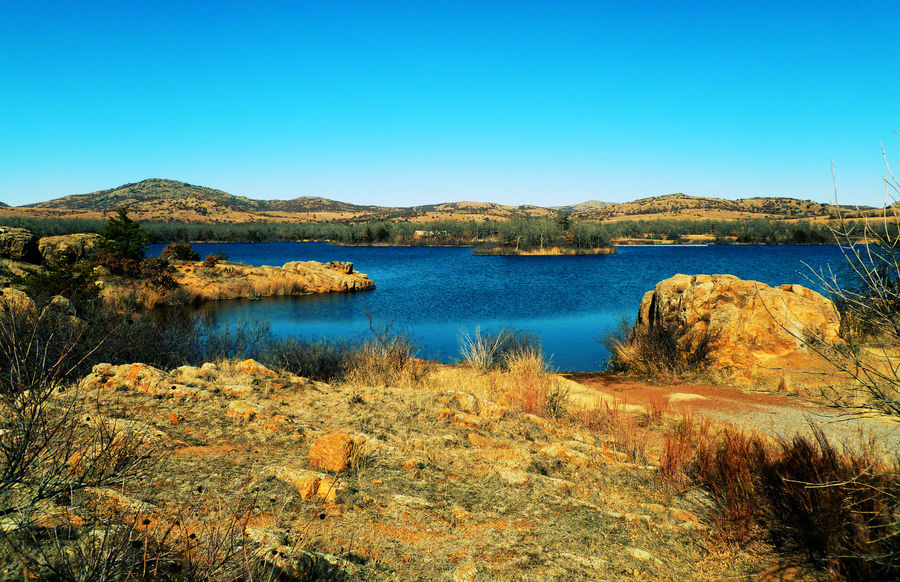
176, 201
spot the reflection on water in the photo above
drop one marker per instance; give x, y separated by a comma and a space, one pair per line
439, 294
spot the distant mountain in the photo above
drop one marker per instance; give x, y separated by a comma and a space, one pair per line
585, 206
701, 207
137, 196
173, 201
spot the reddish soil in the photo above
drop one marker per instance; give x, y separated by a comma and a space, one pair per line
777, 414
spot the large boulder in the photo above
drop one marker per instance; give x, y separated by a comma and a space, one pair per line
757, 335
68, 248
18, 244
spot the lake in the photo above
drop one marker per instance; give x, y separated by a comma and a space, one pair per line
438, 294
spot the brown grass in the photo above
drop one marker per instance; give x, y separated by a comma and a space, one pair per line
629, 436
835, 510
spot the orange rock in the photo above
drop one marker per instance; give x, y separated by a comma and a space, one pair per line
755, 332
465, 572
173, 418
615, 456
564, 453
305, 482
461, 419
278, 423
254, 368
331, 452
482, 441
412, 463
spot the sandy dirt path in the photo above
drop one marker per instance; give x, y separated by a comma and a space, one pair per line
766, 412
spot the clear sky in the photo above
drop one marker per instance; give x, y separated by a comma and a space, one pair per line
409, 103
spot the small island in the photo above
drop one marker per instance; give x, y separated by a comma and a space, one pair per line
505, 249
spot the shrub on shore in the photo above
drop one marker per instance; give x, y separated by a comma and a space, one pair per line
837, 510
497, 349
180, 251
664, 353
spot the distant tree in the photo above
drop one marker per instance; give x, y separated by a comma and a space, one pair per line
180, 251
123, 237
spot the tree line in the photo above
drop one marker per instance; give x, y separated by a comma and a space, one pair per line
534, 232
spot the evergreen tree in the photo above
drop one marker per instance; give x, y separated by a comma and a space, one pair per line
123, 237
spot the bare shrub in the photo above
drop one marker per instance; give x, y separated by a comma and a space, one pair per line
53, 443
493, 349
387, 358
679, 449
658, 408
730, 468
324, 360
180, 251
867, 294
836, 509
660, 352
612, 419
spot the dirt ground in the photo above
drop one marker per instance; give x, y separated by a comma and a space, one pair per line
765, 412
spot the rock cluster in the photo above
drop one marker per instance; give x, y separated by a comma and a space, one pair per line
228, 280
68, 248
757, 335
18, 244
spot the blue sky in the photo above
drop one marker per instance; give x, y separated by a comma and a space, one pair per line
411, 103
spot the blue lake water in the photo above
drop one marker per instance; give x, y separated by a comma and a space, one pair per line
437, 294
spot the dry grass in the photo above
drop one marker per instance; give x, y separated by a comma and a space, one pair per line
667, 354
835, 510
387, 359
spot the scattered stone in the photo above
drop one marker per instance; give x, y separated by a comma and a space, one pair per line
683, 515
311, 483
17, 301
461, 419
412, 463
478, 440
566, 454
243, 410
592, 562
639, 554
514, 477
465, 572
278, 423
677, 397
237, 390
466, 402
654, 508
332, 452
253, 368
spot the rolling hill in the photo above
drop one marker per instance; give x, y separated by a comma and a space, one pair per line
173, 201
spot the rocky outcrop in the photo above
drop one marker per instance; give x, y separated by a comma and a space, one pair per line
757, 335
199, 282
227, 280
18, 244
68, 248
